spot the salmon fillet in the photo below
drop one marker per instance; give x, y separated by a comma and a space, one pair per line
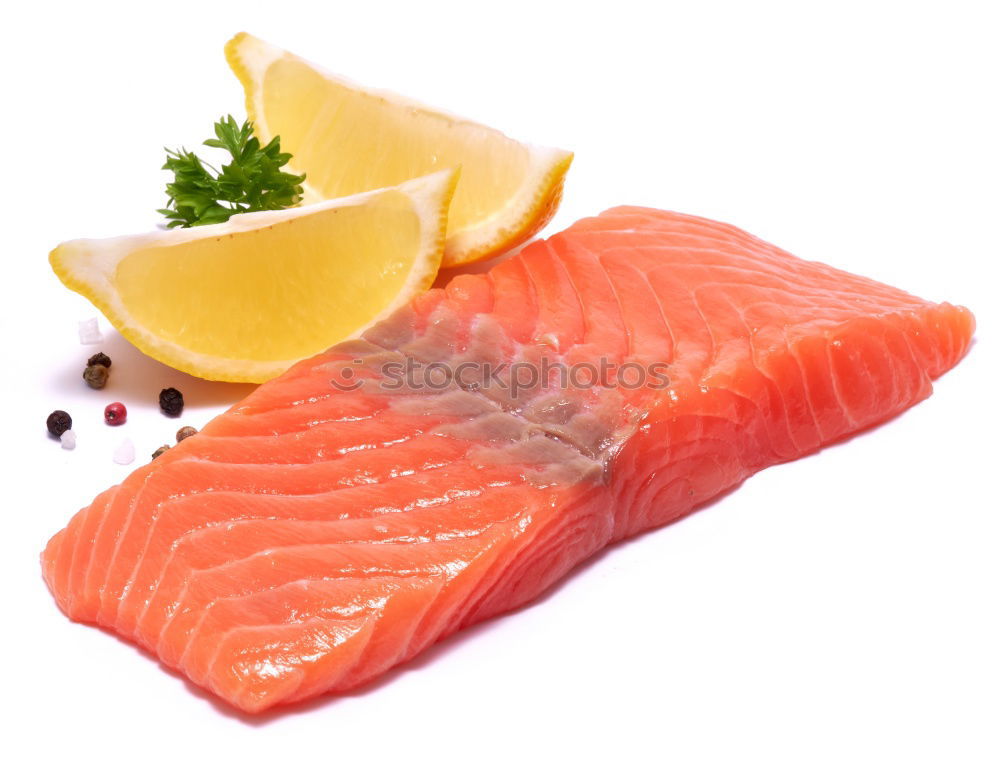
469, 451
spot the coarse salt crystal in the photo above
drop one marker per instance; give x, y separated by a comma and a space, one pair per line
90, 332
125, 454
68, 439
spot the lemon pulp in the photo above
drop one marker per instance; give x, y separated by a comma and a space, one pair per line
244, 300
348, 139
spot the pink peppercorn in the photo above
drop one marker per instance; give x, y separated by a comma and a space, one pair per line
114, 414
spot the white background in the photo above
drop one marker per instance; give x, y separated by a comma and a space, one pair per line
843, 604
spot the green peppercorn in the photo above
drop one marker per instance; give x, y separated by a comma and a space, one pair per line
99, 359
96, 376
184, 432
58, 422
160, 451
171, 402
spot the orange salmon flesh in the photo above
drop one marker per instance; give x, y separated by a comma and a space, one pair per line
465, 454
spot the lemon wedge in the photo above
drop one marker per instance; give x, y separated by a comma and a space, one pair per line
245, 299
349, 139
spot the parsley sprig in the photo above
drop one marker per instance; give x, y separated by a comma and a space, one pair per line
253, 180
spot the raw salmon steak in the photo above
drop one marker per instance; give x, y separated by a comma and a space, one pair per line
467, 452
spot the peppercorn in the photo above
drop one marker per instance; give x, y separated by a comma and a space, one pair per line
115, 414
184, 432
58, 422
99, 359
160, 451
96, 376
171, 402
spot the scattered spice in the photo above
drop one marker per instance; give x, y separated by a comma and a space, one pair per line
115, 414
95, 375
58, 422
89, 331
125, 454
68, 439
99, 359
184, 432
171, 402
160, 451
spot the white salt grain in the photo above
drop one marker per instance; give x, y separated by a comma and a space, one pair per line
125, 454
68, 439
90, 332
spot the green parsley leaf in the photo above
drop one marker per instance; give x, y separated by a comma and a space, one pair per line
252, 180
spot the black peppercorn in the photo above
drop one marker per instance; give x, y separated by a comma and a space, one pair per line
160, 451
99, 359
186, 431
95, 375
171, 402
58, 423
